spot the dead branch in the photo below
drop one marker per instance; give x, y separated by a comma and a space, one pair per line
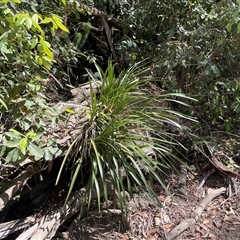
185, 224
109, 41
205, 178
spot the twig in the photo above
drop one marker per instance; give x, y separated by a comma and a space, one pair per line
230, 197
109, 41
205, 178
164, 229
54, 78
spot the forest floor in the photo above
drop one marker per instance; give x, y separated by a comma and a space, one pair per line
194, 212
219, 220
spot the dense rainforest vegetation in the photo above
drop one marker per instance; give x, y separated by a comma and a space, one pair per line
100, 99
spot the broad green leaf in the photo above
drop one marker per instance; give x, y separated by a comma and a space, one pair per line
34, 42
48, 52
13, 135
228, 126
48, 155
35, 151
14, 92
61, 26
23, 145
13, 155
31, 134
53, 150
26, 125
28, 22
44, 47
46, 63
64, 2
54, 27
5, 50
4, 36
39, 60
40, 48
35, 18
36, 25
20, 19
46, 20
58, 153
45, 44
7, 11
2, 151
3, 104
16, 132
56, 17
229, 27
12, 144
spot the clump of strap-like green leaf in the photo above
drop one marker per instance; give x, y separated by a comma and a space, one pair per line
121, 135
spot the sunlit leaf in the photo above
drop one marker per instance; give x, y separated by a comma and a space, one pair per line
28, 22
3, 104
46, 20
64, 2
16, 132
31, 134
34, 42
68, 110
61, 26
23, 145
20, 19
54, 27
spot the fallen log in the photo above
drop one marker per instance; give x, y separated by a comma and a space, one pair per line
16, 185
47, 227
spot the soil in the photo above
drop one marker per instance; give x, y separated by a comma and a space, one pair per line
219, 220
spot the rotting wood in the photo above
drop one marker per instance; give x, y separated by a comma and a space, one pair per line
72, 126
46, 226
66, 131
16, 185
185, 224
10, 227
